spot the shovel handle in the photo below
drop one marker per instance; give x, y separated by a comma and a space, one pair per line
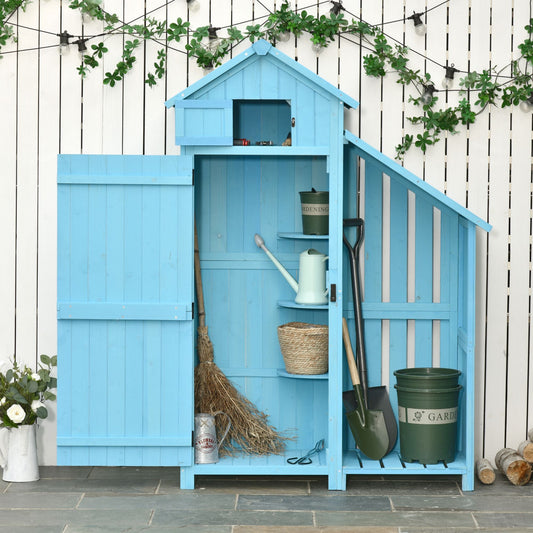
354, 374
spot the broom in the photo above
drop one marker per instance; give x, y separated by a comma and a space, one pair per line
213, 391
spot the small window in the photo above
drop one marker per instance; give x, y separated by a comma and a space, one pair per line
265, 122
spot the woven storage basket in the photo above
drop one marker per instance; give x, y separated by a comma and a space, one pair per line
304, 347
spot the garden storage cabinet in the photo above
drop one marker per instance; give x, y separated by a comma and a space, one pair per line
126, 313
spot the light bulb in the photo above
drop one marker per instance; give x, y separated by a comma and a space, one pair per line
420, 27
283, 37
447, 81
82, 47
64, 44
427, 95
214, 39
317, 48
527, 105
193, 5
336, 9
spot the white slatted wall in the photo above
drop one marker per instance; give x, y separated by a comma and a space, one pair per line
46, 108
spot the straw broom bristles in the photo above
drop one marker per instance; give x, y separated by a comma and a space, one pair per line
213, 391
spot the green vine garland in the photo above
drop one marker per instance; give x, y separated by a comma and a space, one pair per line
383, 58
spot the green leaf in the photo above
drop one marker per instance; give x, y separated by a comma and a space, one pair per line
45, 360
42, 412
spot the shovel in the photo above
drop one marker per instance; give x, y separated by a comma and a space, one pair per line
375, 398
367, 426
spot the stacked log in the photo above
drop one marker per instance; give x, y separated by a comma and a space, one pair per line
485, 472
513, 466
525, 449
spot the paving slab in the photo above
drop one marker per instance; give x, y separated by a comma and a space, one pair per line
396, 519
242, 485
181, 501
505, 520
124, 485
38, 518
39, 500
333, 502
151, 529
237, 518
468, 502
305, 529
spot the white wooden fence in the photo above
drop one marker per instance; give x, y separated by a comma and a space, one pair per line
46, 109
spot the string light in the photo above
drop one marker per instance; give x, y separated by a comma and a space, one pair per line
447, 82
64, 44
420, 27
214, 39
427, 95
337, 7
82, 47
527, 105
193, 5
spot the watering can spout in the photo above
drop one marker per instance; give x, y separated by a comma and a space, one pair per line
261, 244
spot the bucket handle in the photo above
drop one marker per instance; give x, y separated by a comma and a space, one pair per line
227, 427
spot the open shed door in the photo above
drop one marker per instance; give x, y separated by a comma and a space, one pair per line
125, 310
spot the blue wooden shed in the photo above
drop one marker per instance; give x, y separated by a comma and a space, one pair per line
126, 323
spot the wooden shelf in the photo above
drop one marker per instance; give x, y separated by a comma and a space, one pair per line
291, 304
284, 374
296, 235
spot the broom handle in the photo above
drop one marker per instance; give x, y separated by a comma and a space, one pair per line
198, 278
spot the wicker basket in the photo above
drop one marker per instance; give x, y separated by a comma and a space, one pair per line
304, 347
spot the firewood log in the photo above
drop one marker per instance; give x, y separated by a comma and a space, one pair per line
485, 472
513, 466
530, 434
525, 449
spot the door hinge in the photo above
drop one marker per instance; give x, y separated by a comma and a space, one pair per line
192, 176
333, 292
192, 307
192, 438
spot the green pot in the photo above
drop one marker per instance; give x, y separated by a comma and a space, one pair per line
427, 378
315, 212
428, 423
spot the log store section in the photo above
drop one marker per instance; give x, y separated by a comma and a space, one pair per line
118, 317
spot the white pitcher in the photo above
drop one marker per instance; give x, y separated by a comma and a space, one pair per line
18, 454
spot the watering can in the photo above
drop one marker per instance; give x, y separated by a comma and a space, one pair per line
18, 454
205, 437
311, 286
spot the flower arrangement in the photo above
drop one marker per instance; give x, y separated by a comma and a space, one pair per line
23, 391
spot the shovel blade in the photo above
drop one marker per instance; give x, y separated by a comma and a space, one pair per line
369, 432
378, 400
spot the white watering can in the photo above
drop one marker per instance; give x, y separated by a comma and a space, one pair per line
311, 286
18, 454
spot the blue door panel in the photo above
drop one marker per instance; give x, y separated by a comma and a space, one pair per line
125, 311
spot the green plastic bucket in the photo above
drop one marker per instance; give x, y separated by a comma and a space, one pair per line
428, 419
315, 212
427, 378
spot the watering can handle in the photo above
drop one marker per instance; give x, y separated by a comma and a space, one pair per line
227, 427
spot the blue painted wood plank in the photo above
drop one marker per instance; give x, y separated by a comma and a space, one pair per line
98, 388
124, 311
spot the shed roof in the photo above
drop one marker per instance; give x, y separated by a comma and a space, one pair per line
263, 48
411, 179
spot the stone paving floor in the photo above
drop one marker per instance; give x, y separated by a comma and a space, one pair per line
134, 500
